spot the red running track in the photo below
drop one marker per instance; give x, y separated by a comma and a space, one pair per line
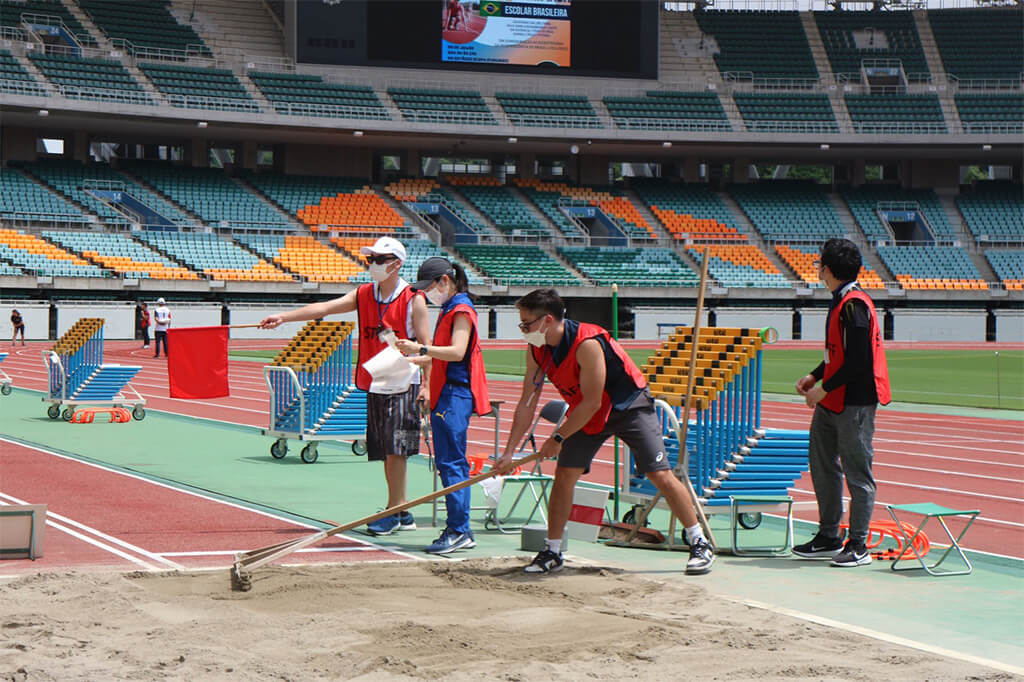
960, 462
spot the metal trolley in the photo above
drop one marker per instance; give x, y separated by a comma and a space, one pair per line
5, 380
76, 374
312, 394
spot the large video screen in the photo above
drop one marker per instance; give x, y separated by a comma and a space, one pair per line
611, 38
496, 32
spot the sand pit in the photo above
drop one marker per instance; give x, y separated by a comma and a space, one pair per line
472, 620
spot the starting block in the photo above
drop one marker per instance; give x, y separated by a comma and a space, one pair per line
118, 415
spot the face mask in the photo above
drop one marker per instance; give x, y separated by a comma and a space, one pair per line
535, 338
380, 272
437, 295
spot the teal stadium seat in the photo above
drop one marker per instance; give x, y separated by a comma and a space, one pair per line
192, 87
929, 262
901, 41
1008, 265
144, 23
20, 198
994, 211
640, 267
864, 200
110, 245
12, 10
103, 80
766, 44
980, 44
417, 251
309, 95
788, 210
16, 80
518, 265
888, 114
442, 106
502, 207
991, 113
786, 112
552, 111
669, 110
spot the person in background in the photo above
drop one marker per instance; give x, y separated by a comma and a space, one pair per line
144, 323
161, 323
393, 419
854, 379
458, 388
19, 327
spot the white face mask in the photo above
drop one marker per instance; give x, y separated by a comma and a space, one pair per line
437, 295
380, 271
535, 338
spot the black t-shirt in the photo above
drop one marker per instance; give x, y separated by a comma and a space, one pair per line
16, 320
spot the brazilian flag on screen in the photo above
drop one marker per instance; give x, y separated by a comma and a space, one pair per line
489, 8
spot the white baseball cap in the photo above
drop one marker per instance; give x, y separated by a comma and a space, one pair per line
385, 246
160, 301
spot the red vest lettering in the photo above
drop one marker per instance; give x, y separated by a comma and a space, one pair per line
477, 374
395, 316
566, 376
835, 401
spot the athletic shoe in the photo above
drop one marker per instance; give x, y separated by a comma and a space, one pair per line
407, 522
852, 555
701, 557
820, 547
449, 541
546, 561
385, 526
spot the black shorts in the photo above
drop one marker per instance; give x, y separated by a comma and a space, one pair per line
637, 426
392, 424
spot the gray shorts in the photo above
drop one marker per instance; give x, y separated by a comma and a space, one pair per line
637, 426
392, 424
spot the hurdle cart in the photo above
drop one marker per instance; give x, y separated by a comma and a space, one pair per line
735, 466
77, 375
5, 380
313, 396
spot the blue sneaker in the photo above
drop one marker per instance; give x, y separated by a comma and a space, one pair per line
385, 526
406, 521
451, 540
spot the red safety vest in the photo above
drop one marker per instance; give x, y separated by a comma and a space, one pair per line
566, 376
835, 400
477, 373
395, 316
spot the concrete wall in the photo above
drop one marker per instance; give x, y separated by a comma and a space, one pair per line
939, 325
119, 318
323, 160
36, 317
756, 318
646, 320
1010, 325
251, 314
19, 144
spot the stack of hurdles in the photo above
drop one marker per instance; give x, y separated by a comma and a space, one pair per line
730, 454
320, 355
85, 377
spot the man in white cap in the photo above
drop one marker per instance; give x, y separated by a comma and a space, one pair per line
161, 322
388, 304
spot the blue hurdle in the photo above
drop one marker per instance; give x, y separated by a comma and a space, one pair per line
313, 396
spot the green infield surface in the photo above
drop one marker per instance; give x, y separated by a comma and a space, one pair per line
936, 377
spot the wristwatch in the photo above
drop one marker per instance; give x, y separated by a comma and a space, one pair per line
557, 437
423, 349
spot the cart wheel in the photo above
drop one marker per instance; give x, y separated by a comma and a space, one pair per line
53, 411
68, 413
138, 413
359, 447
279, 448
750, 521
309, 453
630, 516
5, 389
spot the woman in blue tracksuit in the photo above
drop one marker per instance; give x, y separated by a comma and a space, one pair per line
458, 388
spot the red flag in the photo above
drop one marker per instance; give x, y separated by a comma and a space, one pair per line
197, 362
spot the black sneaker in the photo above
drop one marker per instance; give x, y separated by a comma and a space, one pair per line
820, 547
852, 555
701, 557
545, 562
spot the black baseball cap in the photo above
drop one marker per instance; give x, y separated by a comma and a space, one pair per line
432, 270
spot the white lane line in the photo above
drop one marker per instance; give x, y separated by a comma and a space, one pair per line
904, 453
308, 550
85, 538
950, 473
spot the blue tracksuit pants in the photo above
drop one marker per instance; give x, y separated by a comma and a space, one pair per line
448, 424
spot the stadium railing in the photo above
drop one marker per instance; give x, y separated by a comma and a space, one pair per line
31, 88
900, 127
993, 127
329, 110
792, 126
695, 125
193, 54
105, 95
213, 103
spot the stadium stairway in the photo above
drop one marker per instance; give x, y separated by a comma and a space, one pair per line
413, 222
753, 236
814, 40
99, 36
681, 57
86, 211
233, 27
454, 194
41, 80
849, 223
534, 210
931, 49
140, 181
265, 104
289, 218
947, 200
146, 84
659, 227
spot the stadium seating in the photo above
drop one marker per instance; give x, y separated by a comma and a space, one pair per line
144, 23
668, 110
764, 44
415, 189
11, 11
1008, 265
210, 194
641, 267
214, 257
781, 113
442, 106
688, 211
864, 200
980, 44
801, 259
900, 41
518, 265
895, 113
416, 251
570, 111
40, 257
611, 202
68, 178
21, 198
88, 78
740, 265
304, 256
7, 269
994, 211
496, 202
991, 113
197, 88
788, 210
931, 267
308, 95
16, 80
120, 254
